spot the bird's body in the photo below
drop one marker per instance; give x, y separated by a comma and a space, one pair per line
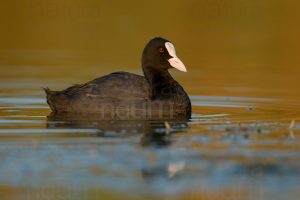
123, 95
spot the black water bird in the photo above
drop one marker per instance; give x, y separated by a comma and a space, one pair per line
124, 95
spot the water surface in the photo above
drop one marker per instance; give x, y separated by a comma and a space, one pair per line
232, 148
241, 143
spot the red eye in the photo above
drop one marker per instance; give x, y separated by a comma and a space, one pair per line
161, 50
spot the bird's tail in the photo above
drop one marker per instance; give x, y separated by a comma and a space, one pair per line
50, 95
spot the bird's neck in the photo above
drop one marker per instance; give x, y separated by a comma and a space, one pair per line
160, 82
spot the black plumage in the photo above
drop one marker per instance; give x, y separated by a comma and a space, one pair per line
124, 95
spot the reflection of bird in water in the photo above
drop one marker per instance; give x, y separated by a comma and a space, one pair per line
167, 170
154, 133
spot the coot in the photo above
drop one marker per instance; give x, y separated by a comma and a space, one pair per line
123, 95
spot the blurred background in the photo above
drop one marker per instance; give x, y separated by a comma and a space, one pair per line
234, 47
243, 79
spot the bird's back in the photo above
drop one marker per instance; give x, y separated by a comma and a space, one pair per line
108, 90
120, 95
